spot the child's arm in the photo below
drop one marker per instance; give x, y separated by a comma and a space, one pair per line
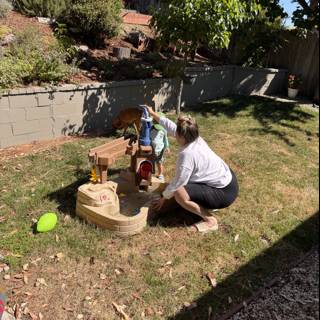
169, 125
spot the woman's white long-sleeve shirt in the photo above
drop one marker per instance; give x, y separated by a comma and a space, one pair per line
197, 163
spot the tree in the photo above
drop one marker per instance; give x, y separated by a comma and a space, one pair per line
306, 15
254, 40
187, 23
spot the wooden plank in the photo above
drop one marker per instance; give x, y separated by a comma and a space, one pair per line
95, 150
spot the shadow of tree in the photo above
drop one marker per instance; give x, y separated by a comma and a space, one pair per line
255, 274
272, 117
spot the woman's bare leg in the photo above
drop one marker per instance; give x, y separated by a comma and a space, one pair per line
185, 202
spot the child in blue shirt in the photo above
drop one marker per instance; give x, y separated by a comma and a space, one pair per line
160, 144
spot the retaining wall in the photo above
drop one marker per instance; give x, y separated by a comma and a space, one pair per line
31, 114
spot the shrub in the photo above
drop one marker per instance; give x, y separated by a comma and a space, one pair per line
30, 60
96, 17
5, 7
171, 69
126, 69
4, 30
42, 8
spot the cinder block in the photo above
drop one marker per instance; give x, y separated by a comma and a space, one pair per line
13, 141
4, 102
17, 115
25, 127
46, 99
12, 115
41, 135
76, 97
5, 131
38, 113
23, 101
5, 116
61, 97
67, 109
46, 124
66, 125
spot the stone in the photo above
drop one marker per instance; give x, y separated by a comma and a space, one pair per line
44, 20
82, 48
9, 38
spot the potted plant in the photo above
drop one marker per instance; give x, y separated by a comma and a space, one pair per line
294, 83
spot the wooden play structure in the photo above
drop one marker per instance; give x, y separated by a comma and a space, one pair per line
106, 155
98, 201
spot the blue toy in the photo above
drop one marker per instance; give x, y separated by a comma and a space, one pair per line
146, 124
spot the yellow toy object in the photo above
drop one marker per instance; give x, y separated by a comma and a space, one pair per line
94, 178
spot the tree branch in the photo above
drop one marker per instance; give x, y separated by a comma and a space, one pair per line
304, 4
314, 5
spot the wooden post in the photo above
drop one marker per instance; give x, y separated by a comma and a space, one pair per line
103, 174
178, 107
122, 53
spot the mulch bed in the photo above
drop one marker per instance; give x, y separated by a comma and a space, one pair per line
294, 296
18, 22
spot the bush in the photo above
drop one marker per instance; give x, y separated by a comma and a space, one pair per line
96, 18
30, 60
171, 69
42, 8
5, 7
126, 69
4, 31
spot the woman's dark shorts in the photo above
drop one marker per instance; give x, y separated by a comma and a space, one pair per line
213, 198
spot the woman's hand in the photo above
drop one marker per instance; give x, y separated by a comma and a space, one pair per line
158, 204
150, 110
168, 151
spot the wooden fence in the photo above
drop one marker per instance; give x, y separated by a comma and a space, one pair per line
301, 56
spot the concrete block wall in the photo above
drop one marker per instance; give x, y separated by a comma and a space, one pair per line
31, 114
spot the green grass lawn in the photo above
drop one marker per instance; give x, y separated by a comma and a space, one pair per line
273, 149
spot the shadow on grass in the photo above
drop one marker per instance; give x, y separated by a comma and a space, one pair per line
271, 115
255, 274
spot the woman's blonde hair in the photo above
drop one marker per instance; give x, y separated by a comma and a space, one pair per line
187, 128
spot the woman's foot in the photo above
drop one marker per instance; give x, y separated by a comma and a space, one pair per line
209, 225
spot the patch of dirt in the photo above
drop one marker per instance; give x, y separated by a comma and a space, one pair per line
18, 22
25, 149
294, 296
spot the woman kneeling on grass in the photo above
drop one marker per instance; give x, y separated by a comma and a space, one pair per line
203, 181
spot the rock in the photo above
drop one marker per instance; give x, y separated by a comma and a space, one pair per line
45, 20
9, 38
82, 48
